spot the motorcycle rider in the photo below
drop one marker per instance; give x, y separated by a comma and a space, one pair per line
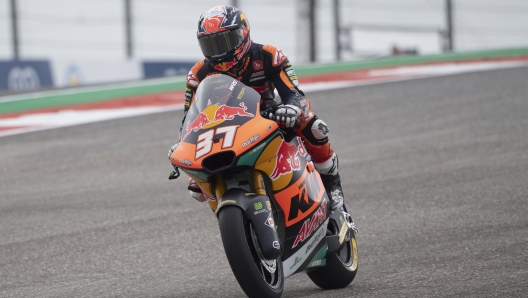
224, 38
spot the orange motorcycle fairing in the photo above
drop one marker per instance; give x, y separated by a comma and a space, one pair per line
300, 199
282, 160
236, 138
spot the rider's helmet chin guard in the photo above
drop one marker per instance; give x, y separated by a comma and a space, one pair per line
223, 36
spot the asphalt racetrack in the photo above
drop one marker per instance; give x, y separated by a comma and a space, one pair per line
435, 172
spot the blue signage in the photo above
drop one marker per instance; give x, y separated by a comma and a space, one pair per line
25, 75
165, 69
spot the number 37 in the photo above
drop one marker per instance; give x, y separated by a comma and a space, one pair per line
205, 140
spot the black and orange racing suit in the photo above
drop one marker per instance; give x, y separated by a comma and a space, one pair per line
265, 69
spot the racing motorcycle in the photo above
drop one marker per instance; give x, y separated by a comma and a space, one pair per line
273, 211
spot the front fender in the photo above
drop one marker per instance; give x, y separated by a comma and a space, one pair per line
257, 209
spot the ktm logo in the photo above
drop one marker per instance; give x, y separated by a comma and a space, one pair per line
304, 201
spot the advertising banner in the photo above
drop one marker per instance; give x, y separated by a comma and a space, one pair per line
79, 72
165, 69
25, 75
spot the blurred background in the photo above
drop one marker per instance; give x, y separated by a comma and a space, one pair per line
62, 43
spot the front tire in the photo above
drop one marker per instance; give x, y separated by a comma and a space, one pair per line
341, 267
254, 275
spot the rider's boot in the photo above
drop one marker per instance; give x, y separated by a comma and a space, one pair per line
332, 184
328, 171
331, 181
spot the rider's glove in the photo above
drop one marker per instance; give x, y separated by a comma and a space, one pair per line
287, 115
172, 149
267, 114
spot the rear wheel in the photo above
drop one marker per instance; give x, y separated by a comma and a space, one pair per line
341, 267
257, 276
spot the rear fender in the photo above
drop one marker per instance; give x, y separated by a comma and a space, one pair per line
257, 209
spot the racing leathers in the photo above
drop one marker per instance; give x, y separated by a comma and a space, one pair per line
265, 69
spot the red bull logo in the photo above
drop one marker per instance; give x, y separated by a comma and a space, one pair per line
197, 124
224, 112
302, 149
228, 113
225, 66
288, 159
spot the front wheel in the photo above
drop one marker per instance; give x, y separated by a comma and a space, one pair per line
257, 276
341, 267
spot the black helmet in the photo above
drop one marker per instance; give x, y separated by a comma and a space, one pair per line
223, 35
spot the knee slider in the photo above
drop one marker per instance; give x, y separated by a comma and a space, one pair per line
320, 130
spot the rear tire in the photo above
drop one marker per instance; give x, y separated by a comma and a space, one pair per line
243, 255
341, 267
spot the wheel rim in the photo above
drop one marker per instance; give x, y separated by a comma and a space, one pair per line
354, 264
348, 254
268, 269
345, 255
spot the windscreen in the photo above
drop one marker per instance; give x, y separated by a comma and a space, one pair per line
220, 101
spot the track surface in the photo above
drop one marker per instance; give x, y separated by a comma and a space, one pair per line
435, 171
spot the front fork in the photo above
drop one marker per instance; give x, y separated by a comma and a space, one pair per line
257, 209
220, 188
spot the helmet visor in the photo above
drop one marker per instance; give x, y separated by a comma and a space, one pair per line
220, 43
